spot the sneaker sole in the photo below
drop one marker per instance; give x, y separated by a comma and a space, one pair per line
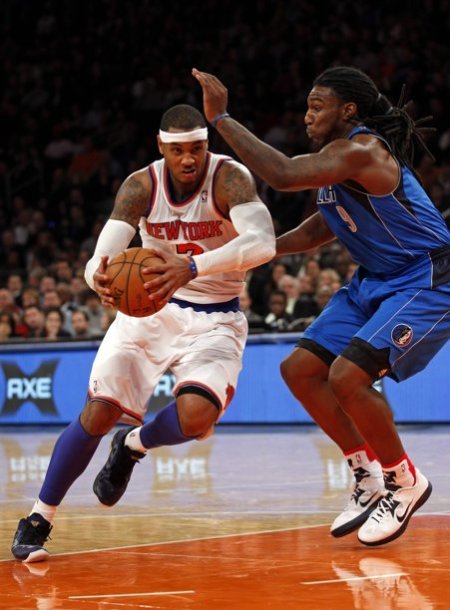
35, 556
420, 502
355, 523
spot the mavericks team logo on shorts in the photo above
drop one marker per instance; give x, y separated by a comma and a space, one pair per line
402, 335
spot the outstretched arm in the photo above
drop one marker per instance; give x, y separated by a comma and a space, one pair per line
336, 162
311, 233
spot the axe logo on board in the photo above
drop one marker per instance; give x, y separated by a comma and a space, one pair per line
162, 394
22, 387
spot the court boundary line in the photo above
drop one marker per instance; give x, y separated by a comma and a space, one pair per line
202, 515
167, 542
115, 595
191, 515
198, 539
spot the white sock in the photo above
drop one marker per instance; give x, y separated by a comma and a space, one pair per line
360, 459
133, 441
47, 511
401, 474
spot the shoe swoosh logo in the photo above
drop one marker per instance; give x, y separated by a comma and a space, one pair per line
364, 504
401, 518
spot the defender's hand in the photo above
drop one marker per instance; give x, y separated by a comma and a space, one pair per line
215, 94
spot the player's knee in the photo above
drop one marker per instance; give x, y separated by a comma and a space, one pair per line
344, 381
197, 424
297, 377
289, 372
196, 414
338, 379
98, 417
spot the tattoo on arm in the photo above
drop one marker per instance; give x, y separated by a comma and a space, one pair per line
131, 201
235, 185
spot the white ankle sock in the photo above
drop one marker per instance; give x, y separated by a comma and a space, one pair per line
360, 459
47, 511
400, 474
133, 441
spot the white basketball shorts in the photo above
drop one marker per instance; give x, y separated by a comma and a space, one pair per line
203, 349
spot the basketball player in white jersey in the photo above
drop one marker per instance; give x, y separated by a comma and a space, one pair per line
201, 212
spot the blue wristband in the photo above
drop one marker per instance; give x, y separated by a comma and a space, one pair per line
193, 267
218, 118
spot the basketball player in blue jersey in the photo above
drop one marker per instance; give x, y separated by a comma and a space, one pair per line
201, 212
395, 314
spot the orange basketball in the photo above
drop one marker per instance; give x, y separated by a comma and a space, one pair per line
127, 282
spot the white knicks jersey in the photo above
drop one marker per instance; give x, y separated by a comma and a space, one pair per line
190, 227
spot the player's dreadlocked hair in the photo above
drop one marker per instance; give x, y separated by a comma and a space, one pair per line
374, 110
182, 116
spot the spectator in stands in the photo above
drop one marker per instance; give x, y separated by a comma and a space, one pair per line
278, 319
262, 282
108, 317
312, 270
342, 262
255, 321
33, 318
7, 302
50, 298
78, 286
47, 283
291, 286
91, 304
80, 324
63, 271
14, 284
306, 305
68, 304
7, 326
279, 269
329, 277
258, 280
30, 296
35, 276
324, 293
53, 325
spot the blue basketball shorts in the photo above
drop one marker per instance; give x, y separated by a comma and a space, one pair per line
396, 332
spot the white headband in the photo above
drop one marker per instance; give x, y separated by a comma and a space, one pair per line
183, 136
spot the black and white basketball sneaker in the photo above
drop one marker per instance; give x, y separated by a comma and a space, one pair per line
112, 480
31, 535
391, 517
368, 489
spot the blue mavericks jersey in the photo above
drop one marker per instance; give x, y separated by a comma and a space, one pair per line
389, 235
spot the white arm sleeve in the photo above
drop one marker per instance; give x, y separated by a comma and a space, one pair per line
254, 245
114, 237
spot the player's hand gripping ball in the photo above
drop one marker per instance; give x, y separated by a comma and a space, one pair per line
127, 282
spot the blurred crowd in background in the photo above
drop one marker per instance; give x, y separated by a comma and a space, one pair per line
84, 87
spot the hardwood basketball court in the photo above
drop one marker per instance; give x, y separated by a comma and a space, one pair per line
240, 521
